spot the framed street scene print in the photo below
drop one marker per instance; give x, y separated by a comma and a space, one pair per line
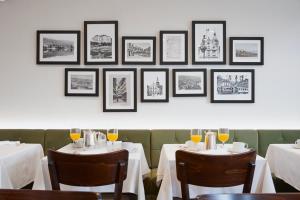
119, 90
138, 50
246, 51
189, 82
232, 86
81, 82
155, 85
173, 47
101, 42
58, 47
209, 42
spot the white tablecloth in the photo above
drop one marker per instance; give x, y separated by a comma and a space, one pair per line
284, 161
137, 167
18, 164
170, 186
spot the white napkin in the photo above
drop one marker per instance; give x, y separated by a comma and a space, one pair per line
6, 142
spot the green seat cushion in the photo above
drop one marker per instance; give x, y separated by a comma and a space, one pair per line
56, 139
248, 136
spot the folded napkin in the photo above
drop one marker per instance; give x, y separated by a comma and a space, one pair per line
6, 142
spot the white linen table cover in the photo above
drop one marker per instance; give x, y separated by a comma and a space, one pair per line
284, 161
18, 164
137, 167
170, 186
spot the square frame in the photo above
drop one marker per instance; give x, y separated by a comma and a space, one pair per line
145, 70
40, 46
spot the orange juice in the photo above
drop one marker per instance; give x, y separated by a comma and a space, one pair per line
75, 136
223, 137
196, 138
112, 137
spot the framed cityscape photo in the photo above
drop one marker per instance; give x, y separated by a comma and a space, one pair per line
138, 50
173, 47
119, 90
101, 42
155, 85
246, 51
209, 42
189, 82
58, 47
81, 82
232, 86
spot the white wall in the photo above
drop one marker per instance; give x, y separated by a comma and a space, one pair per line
32, 96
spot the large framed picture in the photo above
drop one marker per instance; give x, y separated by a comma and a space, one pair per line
119, 90
209, 42
173, 47
189, 82
138, 50
155, 85
232, 86
101, 42
58, 47
81, 82
246, 51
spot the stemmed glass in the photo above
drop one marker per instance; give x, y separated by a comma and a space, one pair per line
223, 135
196, 135
112, 135
75, 134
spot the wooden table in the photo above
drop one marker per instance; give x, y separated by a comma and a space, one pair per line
287, 196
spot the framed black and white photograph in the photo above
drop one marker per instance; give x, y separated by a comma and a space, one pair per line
81, 82
246, 51
138, 50
155, 85
209, 42
58, 47
189, 82
173, 47
119, 90
232, 86
101, 42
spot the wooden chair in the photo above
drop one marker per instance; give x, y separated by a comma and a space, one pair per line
89, 170
7, 194
214, 170
278, 196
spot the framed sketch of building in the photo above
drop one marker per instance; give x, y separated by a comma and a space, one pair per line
155, 85
58, 47
119, 90
246, 51
138, 50
101, 42
189, 82
81, 82
209, 42
173, 47
232, 86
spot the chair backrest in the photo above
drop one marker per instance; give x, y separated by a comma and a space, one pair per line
88, 170
277, 196
215, 170
45, 195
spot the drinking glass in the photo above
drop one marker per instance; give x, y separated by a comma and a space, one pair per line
223, 135
112, 135
75, 134
196, 135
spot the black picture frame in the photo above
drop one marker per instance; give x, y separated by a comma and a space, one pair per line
151, 61
192, 71
77, 71
106, 84
157, 84
113, 35
183, 61
243, 61
222, 47
48, 50
229, 89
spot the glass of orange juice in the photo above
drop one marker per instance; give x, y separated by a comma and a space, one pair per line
223, 135
196, 135
75, 134
112, 135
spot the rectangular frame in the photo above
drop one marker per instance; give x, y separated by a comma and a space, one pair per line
63, 35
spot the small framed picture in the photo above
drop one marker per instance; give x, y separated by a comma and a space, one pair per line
81, 82
189, 82
209, 42
246, 51
101, 42
232, 86
155, 85
58, 47
173, 47
138, 50
119, 90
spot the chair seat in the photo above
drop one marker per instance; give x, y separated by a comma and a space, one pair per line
125, 196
